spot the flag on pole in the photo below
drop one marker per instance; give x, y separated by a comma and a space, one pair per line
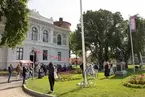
132, 24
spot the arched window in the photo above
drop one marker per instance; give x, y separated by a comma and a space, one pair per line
34, 33
45, 36
58, 39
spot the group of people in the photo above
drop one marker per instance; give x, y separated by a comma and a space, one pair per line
21, 70
27, 70
93, 69
109, 69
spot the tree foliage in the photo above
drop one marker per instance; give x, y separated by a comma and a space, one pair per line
102, 33
75, 44
105, 32
16, 14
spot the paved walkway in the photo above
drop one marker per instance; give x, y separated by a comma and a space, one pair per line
15, 92
12, 89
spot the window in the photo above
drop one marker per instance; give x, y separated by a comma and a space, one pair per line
58, 39
44, 54
19, 54
34, 33
64, 39
59, 56
45, 36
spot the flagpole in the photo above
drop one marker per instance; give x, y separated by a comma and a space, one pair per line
132, 50
83, 44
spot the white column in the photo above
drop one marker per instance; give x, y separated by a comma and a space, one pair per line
51, 35
40, 34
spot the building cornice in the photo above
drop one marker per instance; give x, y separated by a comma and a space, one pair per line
34, 20
51, 45
56, 28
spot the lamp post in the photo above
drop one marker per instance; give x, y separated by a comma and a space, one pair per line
83, 45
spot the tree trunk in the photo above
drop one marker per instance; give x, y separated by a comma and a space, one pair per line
100, 58
126, 64
106, 52
76, 60
69, 53
139, 59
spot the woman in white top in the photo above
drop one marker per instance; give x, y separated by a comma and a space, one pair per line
111, 69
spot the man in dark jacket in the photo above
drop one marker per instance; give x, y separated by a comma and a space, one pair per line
10, 70
24, 74
51, 76
82, 67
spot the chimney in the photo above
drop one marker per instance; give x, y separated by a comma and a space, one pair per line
60, 19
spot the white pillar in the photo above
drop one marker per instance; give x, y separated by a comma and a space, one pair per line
51, 35
40, 34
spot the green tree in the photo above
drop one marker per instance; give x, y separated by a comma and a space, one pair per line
101, 28
16, 14
75, 44
139, 36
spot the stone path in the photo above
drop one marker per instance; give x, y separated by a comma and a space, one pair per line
12, 89
15, 92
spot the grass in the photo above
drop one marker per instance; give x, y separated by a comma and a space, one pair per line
5, 73
111, 87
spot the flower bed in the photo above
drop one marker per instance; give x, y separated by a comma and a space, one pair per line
67, 76
136, 81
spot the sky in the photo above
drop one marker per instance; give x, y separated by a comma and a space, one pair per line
69, 10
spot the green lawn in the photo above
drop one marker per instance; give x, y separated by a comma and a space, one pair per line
111, 87
5, 73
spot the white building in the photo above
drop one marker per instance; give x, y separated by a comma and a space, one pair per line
50, 42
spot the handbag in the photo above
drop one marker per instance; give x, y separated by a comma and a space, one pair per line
55, 75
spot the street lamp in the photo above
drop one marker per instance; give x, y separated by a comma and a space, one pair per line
83, 45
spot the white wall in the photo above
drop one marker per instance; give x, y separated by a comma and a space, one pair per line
3, 58
39, 45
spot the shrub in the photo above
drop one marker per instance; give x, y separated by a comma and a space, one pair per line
76, 71
66, 77
136, 81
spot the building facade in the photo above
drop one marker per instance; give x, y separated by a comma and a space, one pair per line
45, 42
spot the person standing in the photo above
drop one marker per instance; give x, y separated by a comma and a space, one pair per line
51, 77
96, 68
107, 70
10, 70
82, 67
18, 70
30, 72
111, 69
24, 74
